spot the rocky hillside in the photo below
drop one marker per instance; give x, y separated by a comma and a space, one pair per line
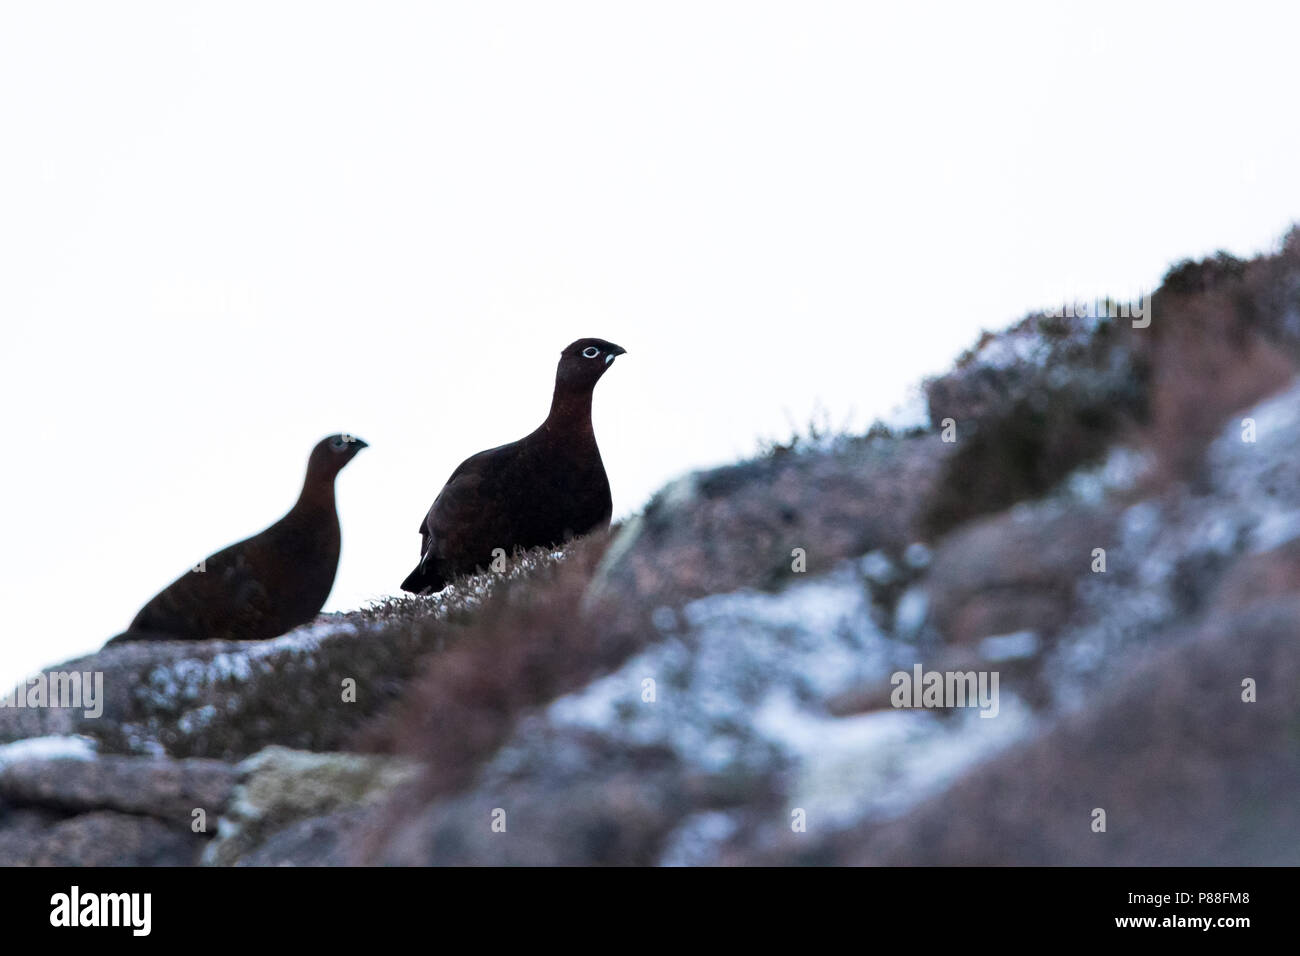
1106, 517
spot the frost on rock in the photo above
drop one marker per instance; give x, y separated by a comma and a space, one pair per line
1009, 647
738, 652
1167, 547
1118, 473
203, 691
881, 764
699, 837
1016, 349
737, 691
187, 680
47, 748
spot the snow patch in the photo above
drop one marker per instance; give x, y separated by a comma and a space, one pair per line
47, 748
743, 691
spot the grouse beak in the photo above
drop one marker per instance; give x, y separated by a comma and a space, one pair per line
614, 352
358, 444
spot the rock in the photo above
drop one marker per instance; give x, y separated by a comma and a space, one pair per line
1015, 571
280, 787
737, 526
607, 774
1259, 577
330, 839
1187, 773
99, 838
550, 822
167, 790
227, 699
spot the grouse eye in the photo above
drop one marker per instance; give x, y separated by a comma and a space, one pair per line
338, 443
590, 352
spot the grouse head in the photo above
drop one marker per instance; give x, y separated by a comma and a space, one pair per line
331, 454
584, 362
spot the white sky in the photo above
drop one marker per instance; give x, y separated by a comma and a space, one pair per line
229, 229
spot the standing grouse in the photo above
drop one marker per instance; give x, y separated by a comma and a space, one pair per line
264, 585
544, 489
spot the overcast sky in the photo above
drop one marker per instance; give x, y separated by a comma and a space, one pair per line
229, 229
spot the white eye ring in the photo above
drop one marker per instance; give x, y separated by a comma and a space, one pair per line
590, 352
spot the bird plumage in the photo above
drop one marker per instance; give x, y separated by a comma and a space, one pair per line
265, 585
542, 490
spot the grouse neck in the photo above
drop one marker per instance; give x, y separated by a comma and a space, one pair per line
317, 493
570, 412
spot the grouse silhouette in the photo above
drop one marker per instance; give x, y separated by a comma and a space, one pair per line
264, 585
542, 490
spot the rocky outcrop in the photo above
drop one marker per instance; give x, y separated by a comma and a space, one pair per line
98, 838
1114, 535
311, 689
739, 526
64, 804
1179, 765
168, 790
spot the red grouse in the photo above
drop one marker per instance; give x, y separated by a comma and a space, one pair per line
264, 585
542, 490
